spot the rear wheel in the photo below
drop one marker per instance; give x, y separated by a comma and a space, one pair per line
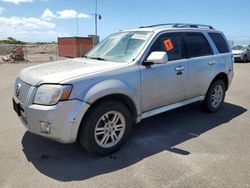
215, 96
105, 128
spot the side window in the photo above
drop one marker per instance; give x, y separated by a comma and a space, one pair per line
219, 42
170, 43
197, 45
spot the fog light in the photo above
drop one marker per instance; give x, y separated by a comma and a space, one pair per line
45, 127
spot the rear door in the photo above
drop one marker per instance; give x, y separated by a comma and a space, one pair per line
225, 55
200, 62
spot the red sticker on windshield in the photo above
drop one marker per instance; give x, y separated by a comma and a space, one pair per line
168, 44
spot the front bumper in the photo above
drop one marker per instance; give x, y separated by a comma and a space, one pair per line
238, 57
64, 119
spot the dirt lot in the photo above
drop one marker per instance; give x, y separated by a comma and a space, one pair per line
181, 148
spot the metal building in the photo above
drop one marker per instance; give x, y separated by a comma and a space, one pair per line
76, 46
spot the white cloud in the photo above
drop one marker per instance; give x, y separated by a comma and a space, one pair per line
82, 15
32, 29
64, 14
17, 2
33, 36
48, 15
26, 23
27, 29
1, 10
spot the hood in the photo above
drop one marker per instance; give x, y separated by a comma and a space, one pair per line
238, 51
59, 71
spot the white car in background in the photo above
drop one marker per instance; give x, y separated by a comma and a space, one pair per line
241, 53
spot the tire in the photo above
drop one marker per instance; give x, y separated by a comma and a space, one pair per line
100, 132
245, 59
215, 96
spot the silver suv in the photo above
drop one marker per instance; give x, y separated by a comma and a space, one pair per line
129, 76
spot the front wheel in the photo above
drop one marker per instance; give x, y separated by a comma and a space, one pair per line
245, 59
105, 128
215, 96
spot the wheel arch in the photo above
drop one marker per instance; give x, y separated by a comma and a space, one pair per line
124, 99
114, 90
221, 76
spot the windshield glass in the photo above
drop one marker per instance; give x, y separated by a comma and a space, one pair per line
120, 47
239, 47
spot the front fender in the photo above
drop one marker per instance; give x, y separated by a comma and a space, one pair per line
110, 87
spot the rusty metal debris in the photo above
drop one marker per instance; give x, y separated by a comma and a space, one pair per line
17, 55
6, 58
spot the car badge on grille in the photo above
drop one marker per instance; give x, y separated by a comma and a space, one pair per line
18, 88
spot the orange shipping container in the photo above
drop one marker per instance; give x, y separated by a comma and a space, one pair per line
75, 46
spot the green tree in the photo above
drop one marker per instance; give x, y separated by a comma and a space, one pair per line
11, 39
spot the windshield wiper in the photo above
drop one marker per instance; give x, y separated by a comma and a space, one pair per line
85, 56
98, 58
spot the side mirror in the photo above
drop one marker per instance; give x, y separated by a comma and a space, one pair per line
156, 57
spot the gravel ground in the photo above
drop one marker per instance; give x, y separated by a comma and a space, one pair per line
181, 148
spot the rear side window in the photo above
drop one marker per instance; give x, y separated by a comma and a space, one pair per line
197, 45
219, 42
170, 43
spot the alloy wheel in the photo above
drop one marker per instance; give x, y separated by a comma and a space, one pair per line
217, 96
110, 129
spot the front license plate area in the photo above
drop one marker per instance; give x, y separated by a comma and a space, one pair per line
16, 107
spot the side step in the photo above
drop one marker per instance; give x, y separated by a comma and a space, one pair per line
170, 107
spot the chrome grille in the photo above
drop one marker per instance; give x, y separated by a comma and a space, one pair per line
21, 90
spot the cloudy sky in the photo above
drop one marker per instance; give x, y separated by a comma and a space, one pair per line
45, 20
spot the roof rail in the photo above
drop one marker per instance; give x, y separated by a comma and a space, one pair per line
180, 25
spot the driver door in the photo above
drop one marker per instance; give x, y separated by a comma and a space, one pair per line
164, 84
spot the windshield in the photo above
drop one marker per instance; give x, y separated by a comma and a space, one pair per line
120, 47
239, 47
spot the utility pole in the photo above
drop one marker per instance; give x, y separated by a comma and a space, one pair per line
97, 16
77, 27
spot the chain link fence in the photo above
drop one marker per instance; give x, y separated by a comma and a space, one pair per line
30, 53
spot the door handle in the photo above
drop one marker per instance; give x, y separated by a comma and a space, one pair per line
180, 68
211, 62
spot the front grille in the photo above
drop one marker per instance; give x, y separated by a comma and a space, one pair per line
21, 90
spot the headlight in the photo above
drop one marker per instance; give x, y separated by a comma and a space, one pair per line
49, 94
